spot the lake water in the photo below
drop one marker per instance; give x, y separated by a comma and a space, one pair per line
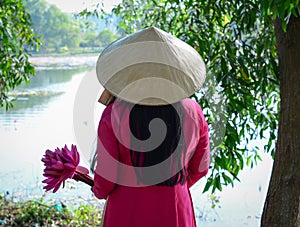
43, 118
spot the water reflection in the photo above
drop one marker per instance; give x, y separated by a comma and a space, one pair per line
43, 87
48, 78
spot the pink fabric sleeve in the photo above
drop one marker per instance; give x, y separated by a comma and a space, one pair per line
199, 163
107, 161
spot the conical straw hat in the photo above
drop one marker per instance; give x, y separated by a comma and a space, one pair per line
151, 67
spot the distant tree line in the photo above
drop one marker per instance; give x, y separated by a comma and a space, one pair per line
60, 32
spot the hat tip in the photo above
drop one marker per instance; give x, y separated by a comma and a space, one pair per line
157, 32
153, 28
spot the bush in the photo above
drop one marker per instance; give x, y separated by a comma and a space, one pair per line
40, 213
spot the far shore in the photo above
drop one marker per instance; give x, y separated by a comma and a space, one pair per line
71, 52
60, 60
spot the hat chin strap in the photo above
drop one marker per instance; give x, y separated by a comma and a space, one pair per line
106, 98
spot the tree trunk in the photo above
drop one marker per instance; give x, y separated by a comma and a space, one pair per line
282, 205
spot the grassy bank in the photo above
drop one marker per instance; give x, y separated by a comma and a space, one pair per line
40, 213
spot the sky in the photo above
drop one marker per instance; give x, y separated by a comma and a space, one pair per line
74, 6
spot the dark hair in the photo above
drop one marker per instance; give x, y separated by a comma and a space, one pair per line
171, 115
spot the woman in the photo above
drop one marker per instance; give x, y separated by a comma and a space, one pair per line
153, 142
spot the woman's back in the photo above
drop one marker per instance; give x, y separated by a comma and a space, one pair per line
146, 179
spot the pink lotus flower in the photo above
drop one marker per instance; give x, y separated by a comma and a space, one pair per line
61, 165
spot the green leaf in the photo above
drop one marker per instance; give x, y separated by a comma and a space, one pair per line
218, 183
208, 185
226, 179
